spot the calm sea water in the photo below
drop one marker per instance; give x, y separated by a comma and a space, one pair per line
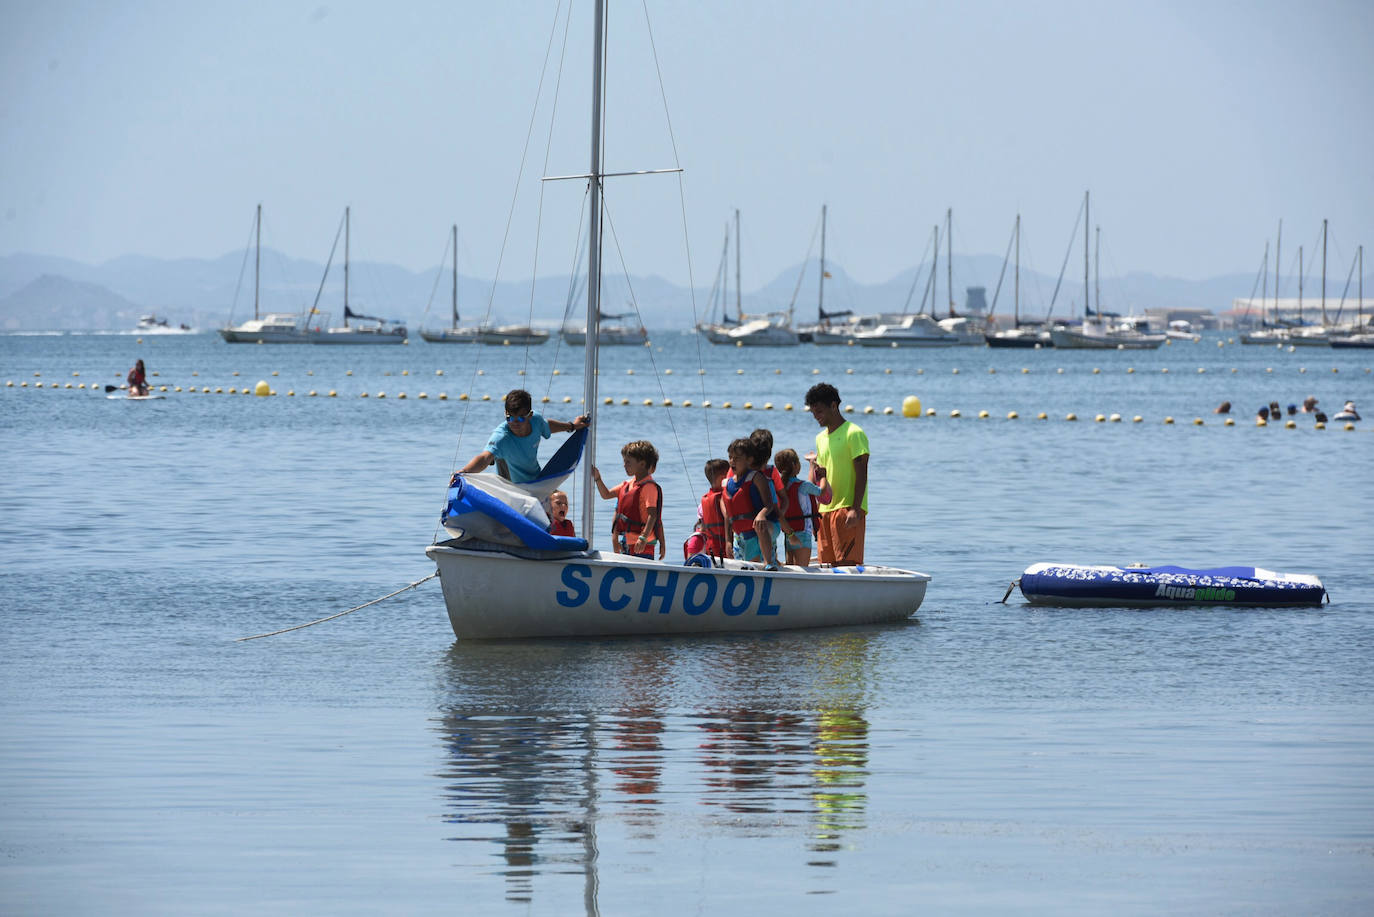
982, 759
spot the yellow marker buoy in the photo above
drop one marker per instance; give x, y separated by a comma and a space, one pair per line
609, 401
954, 371
687, 404
1071, 416
363, 395
1130, 370
544, 400
440, 372
290, 392
567, 399
768, 405
930, 412
1100, 418
443, 396
1137, 419
667, 372
333, 393
1197, 421
868, 409
1349, 427
1115, 418
911, 406
311, 394
1042, 416
1096, 370
955, 413
887, 410
629, 372
400, 396
1320, 425
1290, 425
624, 401
1260, 422
488, 397
983, 415
992, 370
1230, 422
648, 402
262, 389
1168, 420
725, 404
1012, 415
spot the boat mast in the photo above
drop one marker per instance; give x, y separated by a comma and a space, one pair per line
935, 270
257, 259
1300, 273
949, 258
1278, 261
346, 226
1097, 269
1360, 253
1085, 254
739, 309
1016, 301
455, 276
1264, 289
1323, 273
589, 363
820, 296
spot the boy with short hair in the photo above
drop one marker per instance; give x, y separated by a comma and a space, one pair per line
638, 522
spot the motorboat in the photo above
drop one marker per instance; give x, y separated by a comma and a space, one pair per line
1100, 334
914, 330
763, 332
277, 328
1181, 330
504, 575
1090, 586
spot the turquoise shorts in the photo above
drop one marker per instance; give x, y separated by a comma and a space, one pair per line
747, 547
799, 540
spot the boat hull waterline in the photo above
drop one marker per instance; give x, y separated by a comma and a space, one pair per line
597, 594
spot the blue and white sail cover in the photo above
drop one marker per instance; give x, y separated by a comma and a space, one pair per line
1082, 585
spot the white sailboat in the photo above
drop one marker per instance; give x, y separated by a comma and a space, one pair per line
826, 331
1097, 331
716, 332
504, 575
274, 327
454, 333
1025, 335
367, 329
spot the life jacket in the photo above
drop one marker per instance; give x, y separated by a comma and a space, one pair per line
136, 377
743, 505
713, 522
628, 520
796, 517
563, 527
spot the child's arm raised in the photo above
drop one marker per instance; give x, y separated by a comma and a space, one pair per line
606, 492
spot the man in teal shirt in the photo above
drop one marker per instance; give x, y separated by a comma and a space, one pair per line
841, 457
514, 445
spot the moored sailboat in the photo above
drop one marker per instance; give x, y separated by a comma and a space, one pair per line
273, 327
504, 575
454, 333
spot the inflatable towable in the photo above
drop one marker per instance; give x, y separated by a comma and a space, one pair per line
1086, 586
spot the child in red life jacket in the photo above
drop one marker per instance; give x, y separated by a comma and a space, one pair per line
558, 513
638, 525
750, 500
802, 496
712, 518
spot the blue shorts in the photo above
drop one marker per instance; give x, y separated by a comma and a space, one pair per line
798, 540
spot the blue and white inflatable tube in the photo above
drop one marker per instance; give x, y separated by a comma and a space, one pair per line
1085, 586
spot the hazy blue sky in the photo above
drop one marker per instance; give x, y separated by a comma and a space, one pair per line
154, 128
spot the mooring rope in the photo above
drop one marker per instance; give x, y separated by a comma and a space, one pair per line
342, 613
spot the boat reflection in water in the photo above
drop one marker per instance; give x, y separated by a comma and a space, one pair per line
592, 763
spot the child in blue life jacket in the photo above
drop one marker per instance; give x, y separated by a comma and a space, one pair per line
750, 500
638, 525
802, 496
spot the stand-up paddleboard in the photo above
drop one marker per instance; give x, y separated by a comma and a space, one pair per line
1087, 586
123, 397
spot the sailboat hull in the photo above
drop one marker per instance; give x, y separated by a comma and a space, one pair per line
494, 595
450, 335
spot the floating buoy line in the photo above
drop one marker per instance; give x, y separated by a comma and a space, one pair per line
350, 611
911, 406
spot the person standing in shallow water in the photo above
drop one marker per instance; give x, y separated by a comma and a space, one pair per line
841, 459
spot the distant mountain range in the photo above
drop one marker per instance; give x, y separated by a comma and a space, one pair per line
41, 292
